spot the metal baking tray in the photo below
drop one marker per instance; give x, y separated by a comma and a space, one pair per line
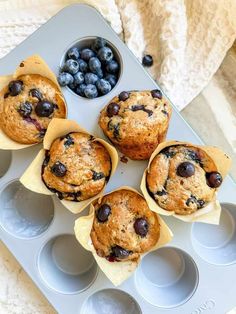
195, 274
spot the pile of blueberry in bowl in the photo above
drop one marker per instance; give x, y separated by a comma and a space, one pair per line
92, 70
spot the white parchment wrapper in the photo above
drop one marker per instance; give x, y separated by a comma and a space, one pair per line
211, 212
32, 178
117, 272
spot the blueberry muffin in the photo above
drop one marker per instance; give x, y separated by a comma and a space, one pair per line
28, 104
183, 179
124, 227
76, 167
136, 122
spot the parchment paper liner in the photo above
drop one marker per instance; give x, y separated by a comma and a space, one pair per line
32, 177
116, 272
211, 212
32, 65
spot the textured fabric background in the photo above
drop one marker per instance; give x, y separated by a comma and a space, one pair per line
188, 39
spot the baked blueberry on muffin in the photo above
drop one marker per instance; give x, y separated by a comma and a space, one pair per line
124, 227
136, 122
183, 179
28, 104
76, 167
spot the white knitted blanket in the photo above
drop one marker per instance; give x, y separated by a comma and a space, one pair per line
187, 39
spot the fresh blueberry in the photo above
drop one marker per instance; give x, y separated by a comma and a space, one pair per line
44, 108
185, 169
123, 96
113, 109
119, 252
141, 227
65, 79
156, 93
79, 78
103, 213
103, 86
105, 54
147, 61
73, 53
91, 91
98, 43
34, 92
15, 87
86, 54
58, 169
99, 73
214, 179
72, 85
71, 66
25, 109
112, 67
90, 78
83, 66
94, 64
111, 79
80, 90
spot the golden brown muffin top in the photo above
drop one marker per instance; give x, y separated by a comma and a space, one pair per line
124, 226
76, 167
182, 179
28, 104
135, 117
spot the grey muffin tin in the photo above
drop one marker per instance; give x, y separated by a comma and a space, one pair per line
195, 274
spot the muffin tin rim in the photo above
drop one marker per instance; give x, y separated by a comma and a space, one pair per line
18, 237
194, 239
179, 275
45, 282
196, 285
226, 241
84, 303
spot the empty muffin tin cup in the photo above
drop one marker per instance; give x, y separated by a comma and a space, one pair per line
109, 301
86, 42
216, 244
23, 213
5, 158
167, 277
65, 266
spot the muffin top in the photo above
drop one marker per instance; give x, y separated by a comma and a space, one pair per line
28, 104
76, 167
136, 117
182, 179
124, 226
